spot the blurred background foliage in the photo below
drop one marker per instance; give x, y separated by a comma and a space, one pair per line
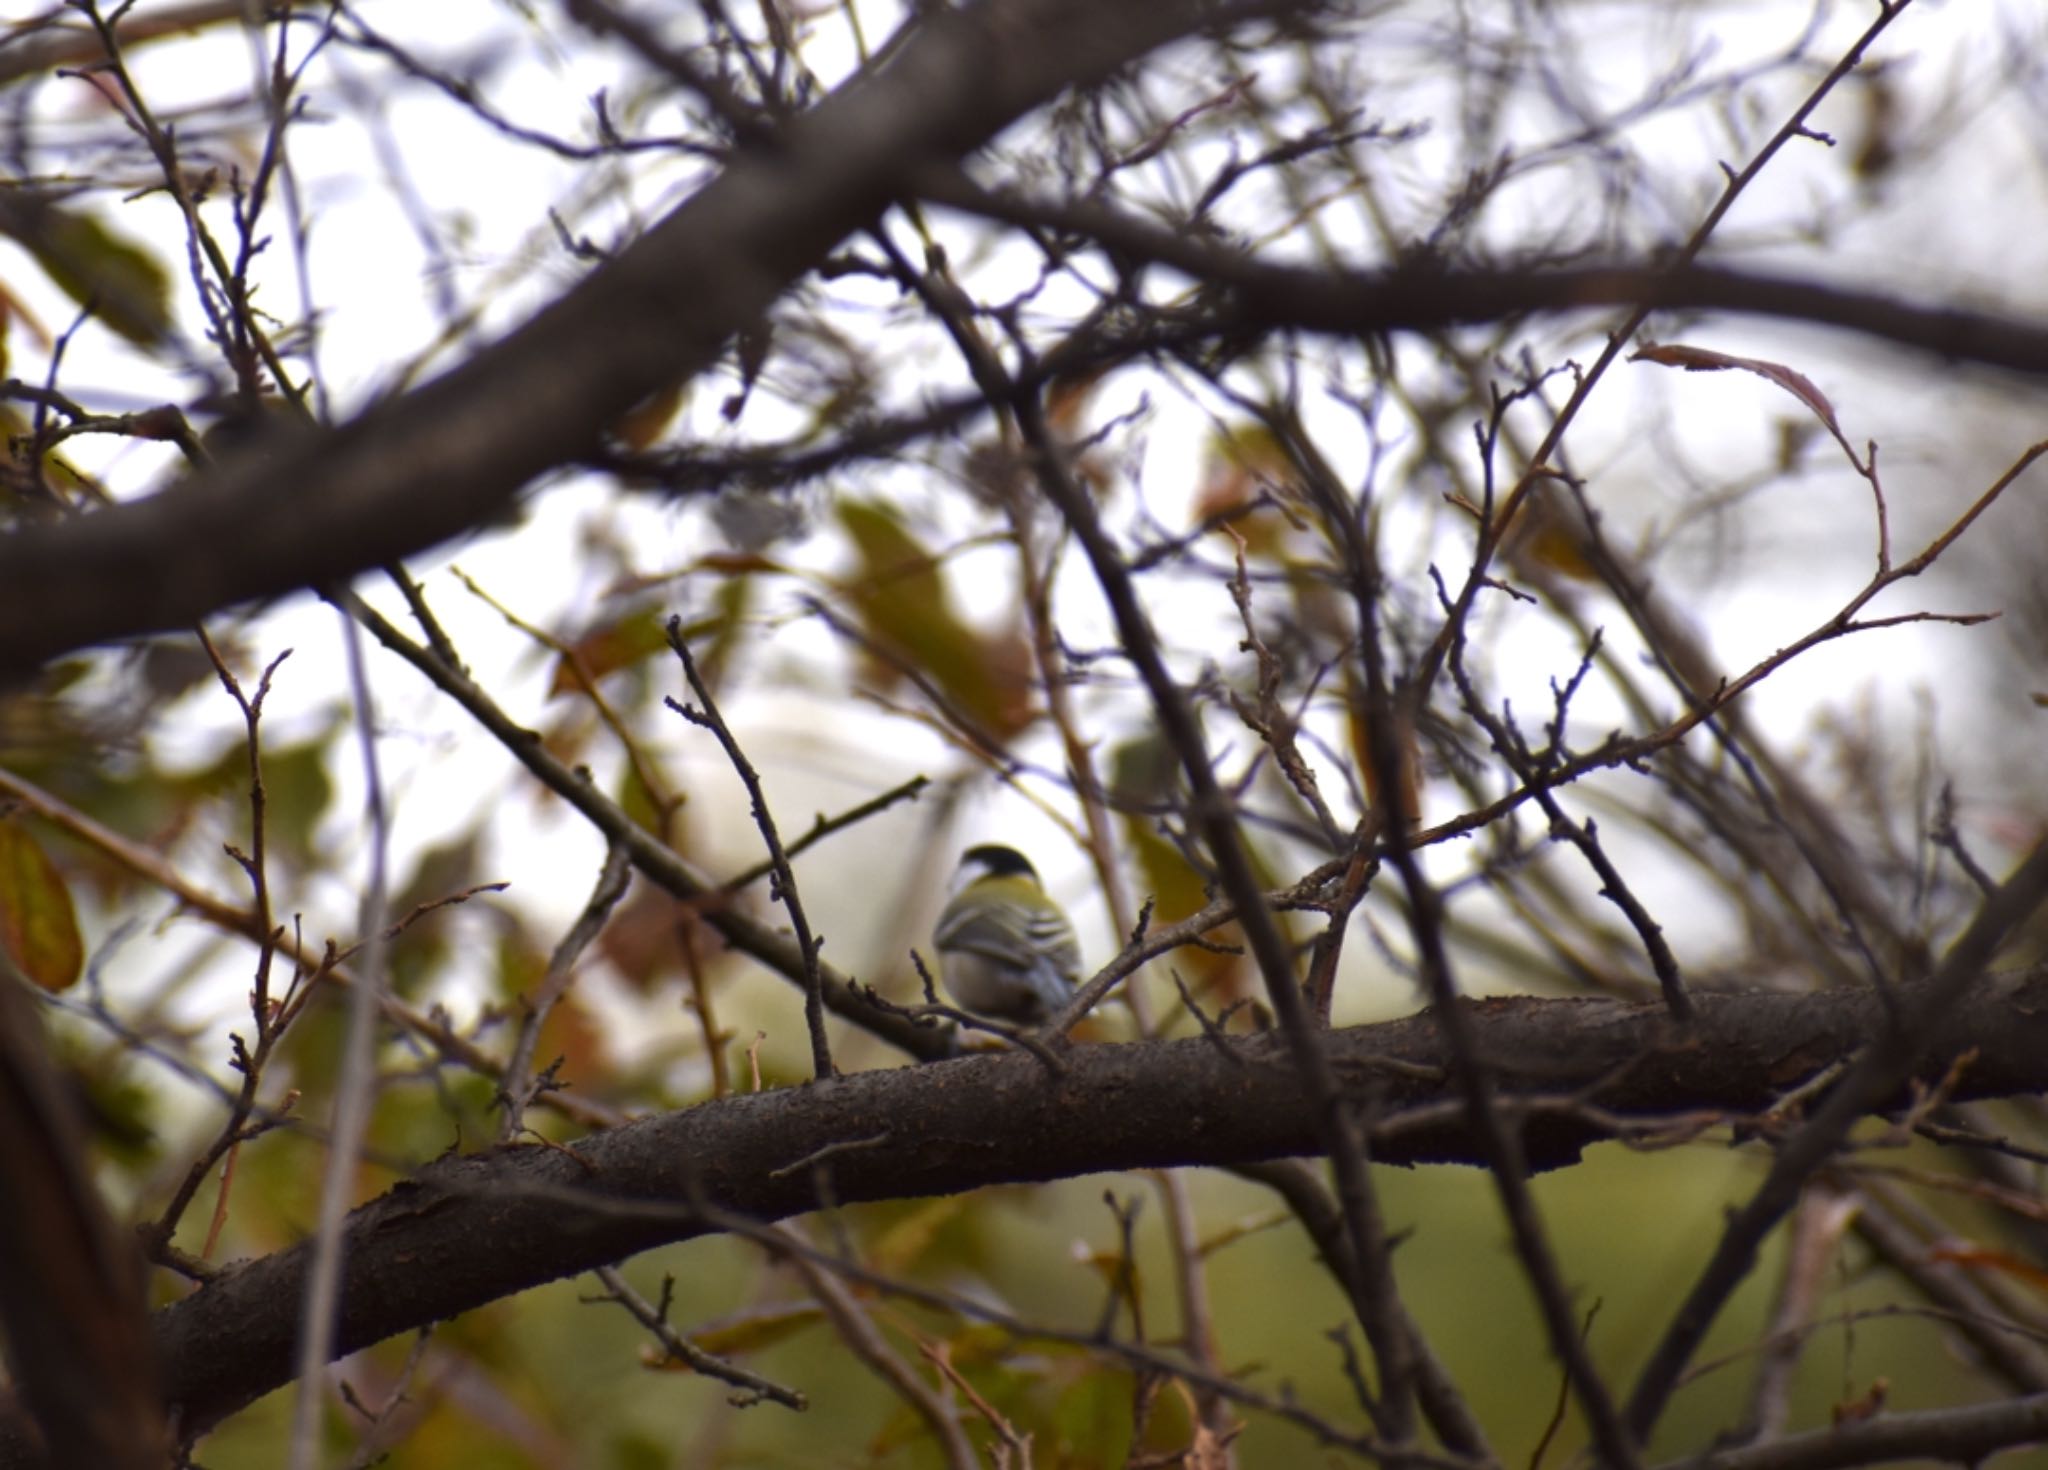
876, 593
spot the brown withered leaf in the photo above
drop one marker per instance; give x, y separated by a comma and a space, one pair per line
1707, 360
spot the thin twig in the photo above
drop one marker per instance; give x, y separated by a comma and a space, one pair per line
821, 1274
515, 1089
1888, 1060
356, 1088
784, 886
753, 1387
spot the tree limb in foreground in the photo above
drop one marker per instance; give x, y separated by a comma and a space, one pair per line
469, 1230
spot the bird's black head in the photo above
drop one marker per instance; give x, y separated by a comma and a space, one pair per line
1000, 861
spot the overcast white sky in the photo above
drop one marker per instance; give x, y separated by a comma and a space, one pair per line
382, 295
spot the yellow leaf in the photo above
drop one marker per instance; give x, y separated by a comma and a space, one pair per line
1549, 534
1410, 750
737, 1336
1242, 463
59, 475
38, 927
1175, 887
905, 1242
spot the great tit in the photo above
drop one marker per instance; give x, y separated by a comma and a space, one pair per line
1005, 948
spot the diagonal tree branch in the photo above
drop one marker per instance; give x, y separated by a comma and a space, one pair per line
1896, 1051
310, 507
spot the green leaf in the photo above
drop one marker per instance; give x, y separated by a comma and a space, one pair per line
122, 283
38, 927
907, 1240
299, 787
905, 610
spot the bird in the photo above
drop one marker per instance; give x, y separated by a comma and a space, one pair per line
1006, 950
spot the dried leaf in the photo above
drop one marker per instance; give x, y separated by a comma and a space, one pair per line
1706, 360
1067, 398
608, 648
642, 424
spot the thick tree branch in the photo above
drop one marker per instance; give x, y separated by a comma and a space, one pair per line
1422, 296
29, 49
470, 1230
1965, 1436
71, 1300
318, 506
310, 507
1896, 1052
